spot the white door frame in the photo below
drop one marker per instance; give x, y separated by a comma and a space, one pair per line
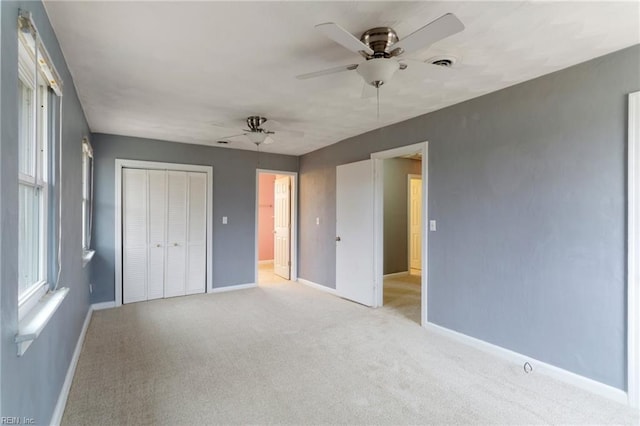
293, 237
378, 219
153, 165
409, 177
633, 252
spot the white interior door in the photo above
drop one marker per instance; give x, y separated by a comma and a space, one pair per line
415, 223
354, 226
175, 272
156, 216
282, 227
134, 235
197, 233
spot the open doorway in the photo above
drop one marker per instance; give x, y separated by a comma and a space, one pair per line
275, 227
402, 243
360, 231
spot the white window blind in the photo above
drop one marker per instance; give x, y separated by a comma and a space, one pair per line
29, 38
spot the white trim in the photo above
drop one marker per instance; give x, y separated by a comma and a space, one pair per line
318, 286
265, 262
103, 305
233, 288
56, 417
396, 274
538, 366
293, 238
30, 327
30, 298
378, 231
633, 252
153, 165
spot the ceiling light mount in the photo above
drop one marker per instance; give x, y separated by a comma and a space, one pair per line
380, 40
254, 122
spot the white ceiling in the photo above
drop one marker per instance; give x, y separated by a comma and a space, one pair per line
170, 70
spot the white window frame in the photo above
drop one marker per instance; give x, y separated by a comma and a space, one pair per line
35, 69
633, 252
87, 200
28, 298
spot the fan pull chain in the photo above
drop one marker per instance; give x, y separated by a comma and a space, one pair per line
378, 99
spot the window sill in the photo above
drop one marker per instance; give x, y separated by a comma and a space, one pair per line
87, 255
30, 327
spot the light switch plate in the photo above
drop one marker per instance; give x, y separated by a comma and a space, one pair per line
432, 225
224, 220
317, 221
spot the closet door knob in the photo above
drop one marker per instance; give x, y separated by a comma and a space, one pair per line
175, 244
158, 245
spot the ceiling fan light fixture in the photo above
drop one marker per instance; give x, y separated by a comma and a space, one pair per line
378, 71
257, 137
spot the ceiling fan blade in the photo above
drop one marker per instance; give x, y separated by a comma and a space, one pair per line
327, 71
268, 140
233, 136
292, 133
443, 27
424, 70
343, 37
274, 126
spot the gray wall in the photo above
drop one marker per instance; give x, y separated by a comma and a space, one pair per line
31, 384
396, 170
234, 196
528, 187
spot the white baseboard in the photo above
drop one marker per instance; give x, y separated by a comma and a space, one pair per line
396, 274
103, 305
557, 373
318, 286
233, 288
58, 411
265, 262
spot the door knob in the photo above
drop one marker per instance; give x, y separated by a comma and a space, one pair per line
175, 244
337, 238
158, 245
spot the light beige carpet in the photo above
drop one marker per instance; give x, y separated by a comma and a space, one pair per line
288, 354
402, 295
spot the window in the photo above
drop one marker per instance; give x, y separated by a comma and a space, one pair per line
38, 83
33, 96
87, 195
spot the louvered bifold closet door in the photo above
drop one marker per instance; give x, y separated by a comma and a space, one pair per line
176, 253
157, 219
197, 233
134, 238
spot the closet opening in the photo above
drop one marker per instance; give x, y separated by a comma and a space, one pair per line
163, 230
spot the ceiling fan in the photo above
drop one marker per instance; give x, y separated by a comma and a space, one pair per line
382, 48
260, 130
